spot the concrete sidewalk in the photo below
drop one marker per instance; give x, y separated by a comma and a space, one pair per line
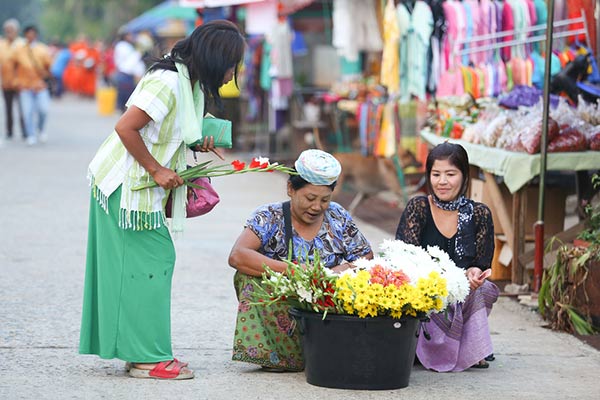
44, 201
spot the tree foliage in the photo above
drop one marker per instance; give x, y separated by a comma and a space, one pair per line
66, 20
27, 12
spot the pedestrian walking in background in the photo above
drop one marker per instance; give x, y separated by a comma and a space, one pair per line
59, 64
130, 254
32, 63
10, 41
129, 68
460, 338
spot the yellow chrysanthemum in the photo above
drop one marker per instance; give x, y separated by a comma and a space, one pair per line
361, 301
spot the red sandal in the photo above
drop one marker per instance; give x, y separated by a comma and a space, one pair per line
160, 371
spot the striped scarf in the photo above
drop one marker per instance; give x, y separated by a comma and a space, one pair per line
165, 137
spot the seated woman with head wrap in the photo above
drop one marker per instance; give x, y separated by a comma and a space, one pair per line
264, 335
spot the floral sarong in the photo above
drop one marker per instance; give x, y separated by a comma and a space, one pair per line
264, 335
461, 338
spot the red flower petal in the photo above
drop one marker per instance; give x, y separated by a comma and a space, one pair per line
255, 163
238, 165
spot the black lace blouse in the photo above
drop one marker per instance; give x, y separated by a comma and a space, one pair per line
417, 227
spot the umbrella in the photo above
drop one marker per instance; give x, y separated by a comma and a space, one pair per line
288, 6
159, 16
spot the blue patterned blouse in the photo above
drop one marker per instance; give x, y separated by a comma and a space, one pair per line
337, 241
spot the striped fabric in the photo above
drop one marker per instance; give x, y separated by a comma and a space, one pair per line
113, 166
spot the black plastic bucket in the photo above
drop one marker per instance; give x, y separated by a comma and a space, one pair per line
348, 352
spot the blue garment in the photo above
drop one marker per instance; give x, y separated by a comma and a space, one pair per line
299, 47
34, 105
60, 63
469, 23
337, 241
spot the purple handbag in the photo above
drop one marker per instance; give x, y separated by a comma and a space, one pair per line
200, 201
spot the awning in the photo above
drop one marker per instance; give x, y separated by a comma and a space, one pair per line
289, 6
161, 17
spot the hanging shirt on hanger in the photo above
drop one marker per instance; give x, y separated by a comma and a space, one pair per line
355, 28
415, 32
435, 53
508, 24
390, 63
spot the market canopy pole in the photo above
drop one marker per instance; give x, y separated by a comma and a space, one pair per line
538, 227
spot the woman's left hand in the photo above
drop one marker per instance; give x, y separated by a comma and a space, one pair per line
475, 278
208, 145
342, 267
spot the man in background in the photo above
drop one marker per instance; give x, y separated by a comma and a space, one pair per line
129, 68
10, 41
32, 62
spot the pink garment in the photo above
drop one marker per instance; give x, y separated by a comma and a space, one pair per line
485, 25
450, 37
532, 14
461, 22
450, 84
476, 18
518, 71
502, 79
508, 24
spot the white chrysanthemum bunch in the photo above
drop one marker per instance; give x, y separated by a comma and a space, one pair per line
417, 262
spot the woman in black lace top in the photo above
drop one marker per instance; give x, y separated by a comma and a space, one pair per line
464, 229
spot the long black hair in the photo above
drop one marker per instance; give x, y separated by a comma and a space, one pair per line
211, 50
456, 155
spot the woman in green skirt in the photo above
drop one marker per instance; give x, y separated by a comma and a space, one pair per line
130, 254
265, 334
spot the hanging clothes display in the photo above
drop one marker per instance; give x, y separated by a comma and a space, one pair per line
439, 30
416, 27
390, 63
355, 28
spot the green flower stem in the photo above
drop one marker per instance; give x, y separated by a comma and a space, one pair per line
202, 170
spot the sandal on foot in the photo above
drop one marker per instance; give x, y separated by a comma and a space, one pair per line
128, 364
481, 364
490, 357
160, 371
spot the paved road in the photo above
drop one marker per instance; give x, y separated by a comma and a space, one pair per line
44, 203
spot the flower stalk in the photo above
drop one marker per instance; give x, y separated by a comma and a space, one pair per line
206, 170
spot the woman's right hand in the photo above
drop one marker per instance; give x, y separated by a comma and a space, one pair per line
167, 178
474, 277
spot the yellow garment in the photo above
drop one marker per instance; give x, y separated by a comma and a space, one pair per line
229, 90
467, 82
30, 75
390, 62
7, 71
529, 71
386, 140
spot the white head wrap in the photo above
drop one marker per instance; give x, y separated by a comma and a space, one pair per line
318, 167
